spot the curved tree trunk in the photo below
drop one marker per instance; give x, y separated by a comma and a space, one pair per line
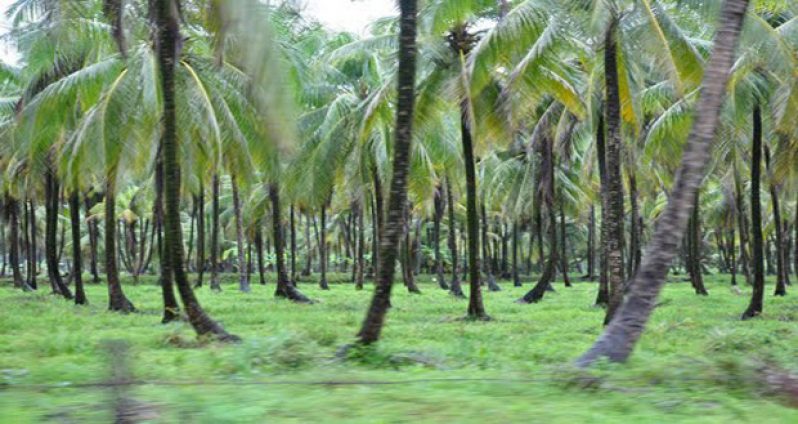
168, 35
77, 260
389, 240
619, 338
614, 213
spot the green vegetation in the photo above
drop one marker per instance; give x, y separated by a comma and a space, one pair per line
696, 362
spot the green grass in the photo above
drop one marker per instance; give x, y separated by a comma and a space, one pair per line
695, 363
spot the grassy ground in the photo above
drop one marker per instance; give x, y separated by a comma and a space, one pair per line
696, 362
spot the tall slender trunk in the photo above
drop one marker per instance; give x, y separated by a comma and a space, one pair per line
515, 265
389, 239
284, 287
51, 206
259, 253
93, 231
323, 248
620, 337
243, 278
436, 225
215, 233
32, 256
200, 234
476, 308
171, 310
591, 244
77, 260
407, 254
755, 306
308, 248
546, 194
694, 249
455, 289
635, 233
117, 301
782, 272
168, 36
361, 246
733, 255
563, 245
603, 295
191, 224
742, 223
294, 275
12, 208
614, 215
379, 216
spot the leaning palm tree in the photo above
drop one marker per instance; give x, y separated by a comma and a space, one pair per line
394, 225
626, 327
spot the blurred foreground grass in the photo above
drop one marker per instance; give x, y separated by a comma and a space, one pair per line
696, 362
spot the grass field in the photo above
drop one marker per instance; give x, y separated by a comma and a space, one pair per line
696, 362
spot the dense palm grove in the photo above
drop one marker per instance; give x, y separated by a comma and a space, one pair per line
192, 138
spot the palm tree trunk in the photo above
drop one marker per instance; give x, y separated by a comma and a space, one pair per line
308, 248
620, 336
171, 310
294, 275
389, 239
168, 36
200, 234
546, 194
259, 253
455, 289
243, 279
77, 260
51, 206
636, 230
215, 286
436, 223
755, 306
93, 230
30, 243
323, 248
284, 287
742, 223
733, 255
361, 246
614, 213
12, 208
487, 260
694, 249
563, 245
603, 295
515, 264
591, 245
117, 301
782, 273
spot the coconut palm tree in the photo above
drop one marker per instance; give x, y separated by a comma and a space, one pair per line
620, 336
